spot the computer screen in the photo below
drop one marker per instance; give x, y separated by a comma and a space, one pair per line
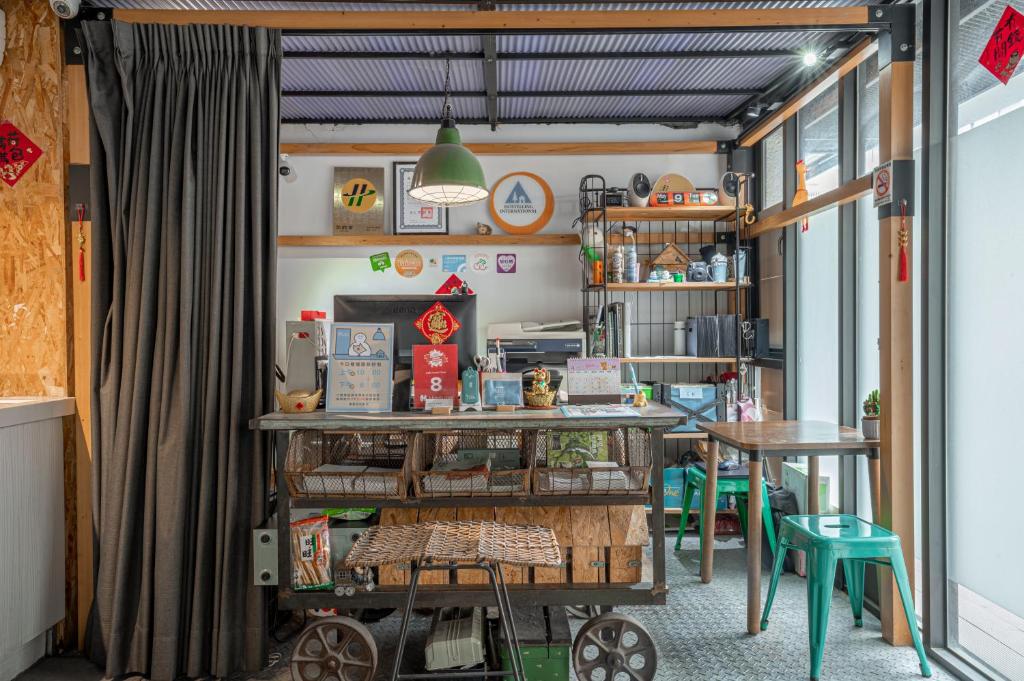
403, 310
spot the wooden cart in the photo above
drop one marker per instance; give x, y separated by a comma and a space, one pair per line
653, 421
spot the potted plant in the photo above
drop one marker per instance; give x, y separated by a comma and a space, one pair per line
869, 424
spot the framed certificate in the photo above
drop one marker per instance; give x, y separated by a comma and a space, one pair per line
412, 216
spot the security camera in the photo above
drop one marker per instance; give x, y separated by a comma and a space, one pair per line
65, 9
286, 170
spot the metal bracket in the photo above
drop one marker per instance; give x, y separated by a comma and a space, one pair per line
896, 34
725, 146
902, 189
740, 160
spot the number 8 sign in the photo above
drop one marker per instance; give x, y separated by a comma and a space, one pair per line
435, 372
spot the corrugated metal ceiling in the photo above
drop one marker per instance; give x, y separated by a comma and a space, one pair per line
536, 66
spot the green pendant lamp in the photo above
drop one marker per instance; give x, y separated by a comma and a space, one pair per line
448, 174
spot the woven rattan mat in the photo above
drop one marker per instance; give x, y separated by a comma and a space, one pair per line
456, 541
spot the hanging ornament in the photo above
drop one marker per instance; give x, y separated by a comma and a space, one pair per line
800, 195
81, 241
903, 238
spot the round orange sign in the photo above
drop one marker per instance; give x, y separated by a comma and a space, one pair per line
408, 263
358, 195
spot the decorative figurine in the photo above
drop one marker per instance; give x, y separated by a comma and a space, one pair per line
640, 399
484, 229
540, 395
470, 398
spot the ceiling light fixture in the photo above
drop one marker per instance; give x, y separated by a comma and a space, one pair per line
755, 110
810, 58
448, 174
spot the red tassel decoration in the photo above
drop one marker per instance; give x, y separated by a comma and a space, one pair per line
805, 225
81, 242
903, 238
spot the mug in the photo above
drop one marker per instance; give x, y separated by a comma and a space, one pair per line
718, 271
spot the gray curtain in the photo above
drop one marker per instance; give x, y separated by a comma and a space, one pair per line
184, 212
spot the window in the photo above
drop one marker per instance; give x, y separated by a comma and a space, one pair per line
986, 617
819, 141
771, 167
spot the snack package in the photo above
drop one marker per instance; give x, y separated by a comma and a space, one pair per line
311, 555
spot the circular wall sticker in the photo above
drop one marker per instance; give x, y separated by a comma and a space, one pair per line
521, 203
408, 263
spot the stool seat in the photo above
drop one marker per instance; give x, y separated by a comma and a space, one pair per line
826, 540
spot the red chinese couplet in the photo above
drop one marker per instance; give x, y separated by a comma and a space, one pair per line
17, 153
1004, 49
435, 373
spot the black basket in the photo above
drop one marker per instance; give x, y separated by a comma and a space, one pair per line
357, 464
593, 461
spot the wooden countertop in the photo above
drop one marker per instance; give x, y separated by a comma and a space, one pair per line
652, 416
787, 435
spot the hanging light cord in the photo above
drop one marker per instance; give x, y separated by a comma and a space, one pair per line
446, 108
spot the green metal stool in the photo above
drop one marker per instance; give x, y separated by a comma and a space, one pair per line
827, 539
735, 482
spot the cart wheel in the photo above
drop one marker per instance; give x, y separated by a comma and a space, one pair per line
334, 649
582, 612
614, 647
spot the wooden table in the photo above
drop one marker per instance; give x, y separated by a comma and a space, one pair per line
761, 439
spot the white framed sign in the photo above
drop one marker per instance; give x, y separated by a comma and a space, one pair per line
360, 368
412, 216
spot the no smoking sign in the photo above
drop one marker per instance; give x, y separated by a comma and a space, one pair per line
881, 184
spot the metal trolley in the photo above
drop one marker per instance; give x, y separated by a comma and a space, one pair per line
344, 649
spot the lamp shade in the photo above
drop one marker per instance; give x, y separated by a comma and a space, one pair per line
448, 173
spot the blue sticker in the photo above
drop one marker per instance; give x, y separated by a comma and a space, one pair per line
453, 263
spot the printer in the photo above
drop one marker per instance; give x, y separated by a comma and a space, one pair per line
528, 345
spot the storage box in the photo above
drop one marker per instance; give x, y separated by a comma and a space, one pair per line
700, 402
794, 478
675, 482
544, 643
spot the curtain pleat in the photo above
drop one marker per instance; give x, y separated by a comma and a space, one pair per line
184, 209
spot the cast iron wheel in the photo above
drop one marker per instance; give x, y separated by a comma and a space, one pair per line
614, 647
334, 649
582, 612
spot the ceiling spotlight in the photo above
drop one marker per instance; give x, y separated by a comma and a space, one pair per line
810, 58
755, 110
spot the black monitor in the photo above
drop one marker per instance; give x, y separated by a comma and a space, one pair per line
403, 310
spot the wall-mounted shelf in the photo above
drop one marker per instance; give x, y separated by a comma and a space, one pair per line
668, 214
678, 359
397, 240
677, 286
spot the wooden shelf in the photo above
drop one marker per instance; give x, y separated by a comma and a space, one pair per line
667, 214
677, 359
675, 286
397, 240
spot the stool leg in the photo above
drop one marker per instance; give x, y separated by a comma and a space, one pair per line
899, 571
685, 514
406, 616
854, 571
780, 558
766, 515
821, 573
702, 488
507, 622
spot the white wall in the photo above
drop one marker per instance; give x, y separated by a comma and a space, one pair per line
546, 284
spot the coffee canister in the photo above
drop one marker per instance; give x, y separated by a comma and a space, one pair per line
679, 338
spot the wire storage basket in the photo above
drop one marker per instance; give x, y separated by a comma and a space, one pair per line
596, 461
467, 463
343, 464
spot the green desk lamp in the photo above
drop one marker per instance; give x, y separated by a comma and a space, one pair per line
448, 174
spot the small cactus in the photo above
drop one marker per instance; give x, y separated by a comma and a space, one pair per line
873, 404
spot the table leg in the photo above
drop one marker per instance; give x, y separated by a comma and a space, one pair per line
875, 484
710, 501
754, 525
813, 467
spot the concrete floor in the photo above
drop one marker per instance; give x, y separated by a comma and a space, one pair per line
700, 634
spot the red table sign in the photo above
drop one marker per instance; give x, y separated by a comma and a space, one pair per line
1006, 46
17, 153
435, 373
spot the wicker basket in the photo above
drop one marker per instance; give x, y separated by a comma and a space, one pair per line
359, 464
622, 456
449, 448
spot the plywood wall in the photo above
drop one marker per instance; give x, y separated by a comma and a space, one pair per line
33, 310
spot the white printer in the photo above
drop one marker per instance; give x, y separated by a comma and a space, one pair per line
528, 345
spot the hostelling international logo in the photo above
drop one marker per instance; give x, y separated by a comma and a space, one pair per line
518, 203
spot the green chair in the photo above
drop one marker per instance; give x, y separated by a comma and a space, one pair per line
827, 539
735, 482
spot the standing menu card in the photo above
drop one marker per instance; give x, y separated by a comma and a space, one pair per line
361, 367
593, 380
435, 373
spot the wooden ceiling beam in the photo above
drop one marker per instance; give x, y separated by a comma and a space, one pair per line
529, 21
850, 61
505, 148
